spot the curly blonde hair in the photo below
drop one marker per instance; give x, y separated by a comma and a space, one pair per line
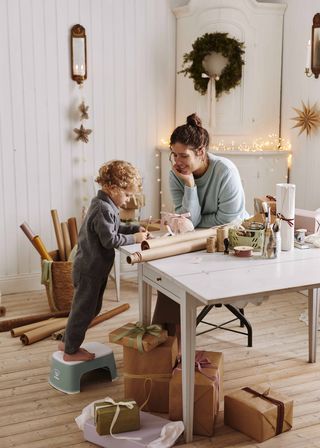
121, 174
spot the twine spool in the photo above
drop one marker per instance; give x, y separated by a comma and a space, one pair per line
212, 244
243, 251
222, 233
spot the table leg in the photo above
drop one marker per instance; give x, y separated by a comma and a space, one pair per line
188, 337
313, 313
145, 295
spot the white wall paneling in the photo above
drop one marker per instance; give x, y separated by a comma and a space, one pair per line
130, 91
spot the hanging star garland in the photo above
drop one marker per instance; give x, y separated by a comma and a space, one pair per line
82, 134
308, 118
84, 111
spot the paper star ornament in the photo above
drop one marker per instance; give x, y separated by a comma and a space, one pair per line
308, 118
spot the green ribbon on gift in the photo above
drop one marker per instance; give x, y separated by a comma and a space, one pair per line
138, 330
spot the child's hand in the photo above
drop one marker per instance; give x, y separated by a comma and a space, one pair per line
142, 229
140, 236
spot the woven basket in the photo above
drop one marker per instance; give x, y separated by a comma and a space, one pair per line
253, 238
62, 287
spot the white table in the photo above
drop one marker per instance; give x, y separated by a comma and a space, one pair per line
199, 279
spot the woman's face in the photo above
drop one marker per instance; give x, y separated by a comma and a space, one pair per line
185, 160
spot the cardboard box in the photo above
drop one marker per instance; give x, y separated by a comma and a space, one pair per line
147, 375
256, 416
150, 429
307, 219
137, 339
128, 419
207, 392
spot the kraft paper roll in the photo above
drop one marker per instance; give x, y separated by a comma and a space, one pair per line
42, 332
59, 236
167, 251
66, 239
20, 330
9, 324
171, 240
38, 244
73, 231
286, 211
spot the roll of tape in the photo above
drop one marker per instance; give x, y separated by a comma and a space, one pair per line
243, 251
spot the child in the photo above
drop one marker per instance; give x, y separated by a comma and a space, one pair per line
100, 233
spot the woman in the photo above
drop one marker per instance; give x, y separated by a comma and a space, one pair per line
206, 185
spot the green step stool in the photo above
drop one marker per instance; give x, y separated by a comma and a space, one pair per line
66, 375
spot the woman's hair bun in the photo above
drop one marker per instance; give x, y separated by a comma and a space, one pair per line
194, 120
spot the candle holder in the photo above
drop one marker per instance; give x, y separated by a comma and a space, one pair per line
78, 54
313, 50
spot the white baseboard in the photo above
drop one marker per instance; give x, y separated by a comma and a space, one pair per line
11, 284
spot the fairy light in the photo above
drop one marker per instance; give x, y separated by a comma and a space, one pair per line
271, 143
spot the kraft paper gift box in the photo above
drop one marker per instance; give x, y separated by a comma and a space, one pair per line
138, 336
150, 429
259, 412
270, 200
307, 219
127, 420
147, 375
207, 392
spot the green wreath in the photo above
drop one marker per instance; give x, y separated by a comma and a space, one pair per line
220, 43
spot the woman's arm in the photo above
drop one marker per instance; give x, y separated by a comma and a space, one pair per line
185, 199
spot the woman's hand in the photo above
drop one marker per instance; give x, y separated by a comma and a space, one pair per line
187, 178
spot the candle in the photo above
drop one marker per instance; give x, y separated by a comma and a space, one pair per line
308, 61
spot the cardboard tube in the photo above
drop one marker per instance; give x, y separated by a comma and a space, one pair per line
59, 236
42, 332
2, 310
9, 324
170, 240
20, 330
73, 231
66, 239
167, 251
38, 244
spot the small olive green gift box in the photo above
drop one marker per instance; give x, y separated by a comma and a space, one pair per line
113, 417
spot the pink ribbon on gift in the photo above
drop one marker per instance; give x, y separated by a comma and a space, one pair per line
201, 363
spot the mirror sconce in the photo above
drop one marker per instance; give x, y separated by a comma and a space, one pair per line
78, 54
313, 50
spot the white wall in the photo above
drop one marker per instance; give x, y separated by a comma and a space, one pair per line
296, 87
130, 90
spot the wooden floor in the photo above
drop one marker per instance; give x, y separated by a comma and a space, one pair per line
33, 414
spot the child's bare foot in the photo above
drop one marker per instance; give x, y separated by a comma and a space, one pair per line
80, 355
81, 350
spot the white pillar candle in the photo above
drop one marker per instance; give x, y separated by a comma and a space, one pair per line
285, 194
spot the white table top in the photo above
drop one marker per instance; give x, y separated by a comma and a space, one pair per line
215, 277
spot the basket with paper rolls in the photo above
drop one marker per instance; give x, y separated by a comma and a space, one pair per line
246, 237
59, 285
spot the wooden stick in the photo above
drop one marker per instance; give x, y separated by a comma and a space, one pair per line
9, 324
20, 330
73, 231
59, 236
66, 239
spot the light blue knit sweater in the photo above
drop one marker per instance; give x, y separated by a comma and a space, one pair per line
217, 197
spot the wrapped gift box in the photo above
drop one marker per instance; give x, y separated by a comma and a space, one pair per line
257, 416
307, 219
149, 373
150, 429
270, 200
152, 336
207, 392
128, 419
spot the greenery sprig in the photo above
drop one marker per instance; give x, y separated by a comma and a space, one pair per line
220, 43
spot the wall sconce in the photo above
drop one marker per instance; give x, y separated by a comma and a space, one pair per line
78, 54
313, 50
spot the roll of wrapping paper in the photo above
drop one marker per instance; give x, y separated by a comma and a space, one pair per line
167, 251
73, 231
28, 232
286, 211
40, 333
59, 236
8, 324
21, 330
66, 239
38, 244
101, 318
171, 240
